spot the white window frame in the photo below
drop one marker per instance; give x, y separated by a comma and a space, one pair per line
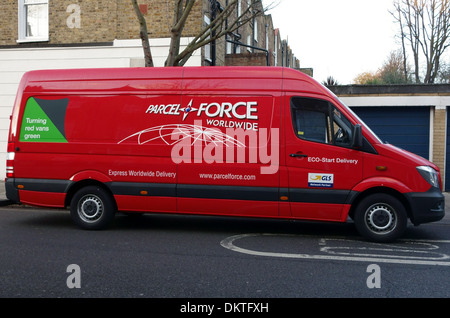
207, 47
22, 20
275, 51
267, 38
229, 46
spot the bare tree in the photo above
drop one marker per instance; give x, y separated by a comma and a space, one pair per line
425, 25
398, 16
226, 21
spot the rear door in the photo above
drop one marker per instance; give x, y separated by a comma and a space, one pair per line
321, 165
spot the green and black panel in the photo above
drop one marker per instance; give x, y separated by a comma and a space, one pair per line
44, 120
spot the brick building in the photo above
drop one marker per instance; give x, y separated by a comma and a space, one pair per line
47, 23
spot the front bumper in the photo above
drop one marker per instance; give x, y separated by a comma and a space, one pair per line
426, 206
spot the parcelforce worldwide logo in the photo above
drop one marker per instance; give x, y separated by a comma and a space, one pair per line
221, 114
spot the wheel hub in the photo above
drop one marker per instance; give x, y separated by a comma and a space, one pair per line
380, 218
90, 208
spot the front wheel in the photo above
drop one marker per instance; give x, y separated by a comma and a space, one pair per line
380, 218
92, 208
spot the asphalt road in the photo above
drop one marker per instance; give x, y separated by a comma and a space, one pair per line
43, 255
194, 256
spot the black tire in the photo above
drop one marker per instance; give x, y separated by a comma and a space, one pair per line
92, 208
381, 218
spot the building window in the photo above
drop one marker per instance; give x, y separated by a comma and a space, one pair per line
33, 20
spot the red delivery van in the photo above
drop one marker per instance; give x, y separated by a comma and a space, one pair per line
232, 141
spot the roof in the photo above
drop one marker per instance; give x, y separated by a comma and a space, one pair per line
403, 89
241, 78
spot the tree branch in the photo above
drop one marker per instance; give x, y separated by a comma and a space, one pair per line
217, 29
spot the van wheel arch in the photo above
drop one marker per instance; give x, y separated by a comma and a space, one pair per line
81, 184
383, 190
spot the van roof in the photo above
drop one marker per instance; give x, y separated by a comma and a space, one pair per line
270, 74
161, 72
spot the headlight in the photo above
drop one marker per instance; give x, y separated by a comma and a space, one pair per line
430, 175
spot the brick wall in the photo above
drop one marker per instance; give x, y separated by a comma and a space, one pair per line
439, 138
106, 20
8, 22
98, 22
271, 38
101, 21
254, 59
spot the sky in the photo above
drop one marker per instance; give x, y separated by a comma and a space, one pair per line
339, 38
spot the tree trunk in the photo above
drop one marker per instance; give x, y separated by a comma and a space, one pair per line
181, 13
143, 35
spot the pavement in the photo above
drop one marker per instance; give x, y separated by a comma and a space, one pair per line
4, 202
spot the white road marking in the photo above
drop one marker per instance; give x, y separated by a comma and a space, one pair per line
417, 250
422, 246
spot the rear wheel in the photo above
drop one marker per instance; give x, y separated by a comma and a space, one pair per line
92, 208
381, 218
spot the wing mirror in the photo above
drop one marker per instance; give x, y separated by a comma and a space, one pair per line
357, 141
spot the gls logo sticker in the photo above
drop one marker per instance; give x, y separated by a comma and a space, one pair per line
320, 180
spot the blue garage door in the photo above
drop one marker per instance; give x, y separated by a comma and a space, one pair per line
404, 127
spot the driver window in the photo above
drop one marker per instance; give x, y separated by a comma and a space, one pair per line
319, 121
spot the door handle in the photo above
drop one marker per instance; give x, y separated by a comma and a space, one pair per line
298, 155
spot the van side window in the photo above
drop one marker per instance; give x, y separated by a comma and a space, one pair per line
319, 121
